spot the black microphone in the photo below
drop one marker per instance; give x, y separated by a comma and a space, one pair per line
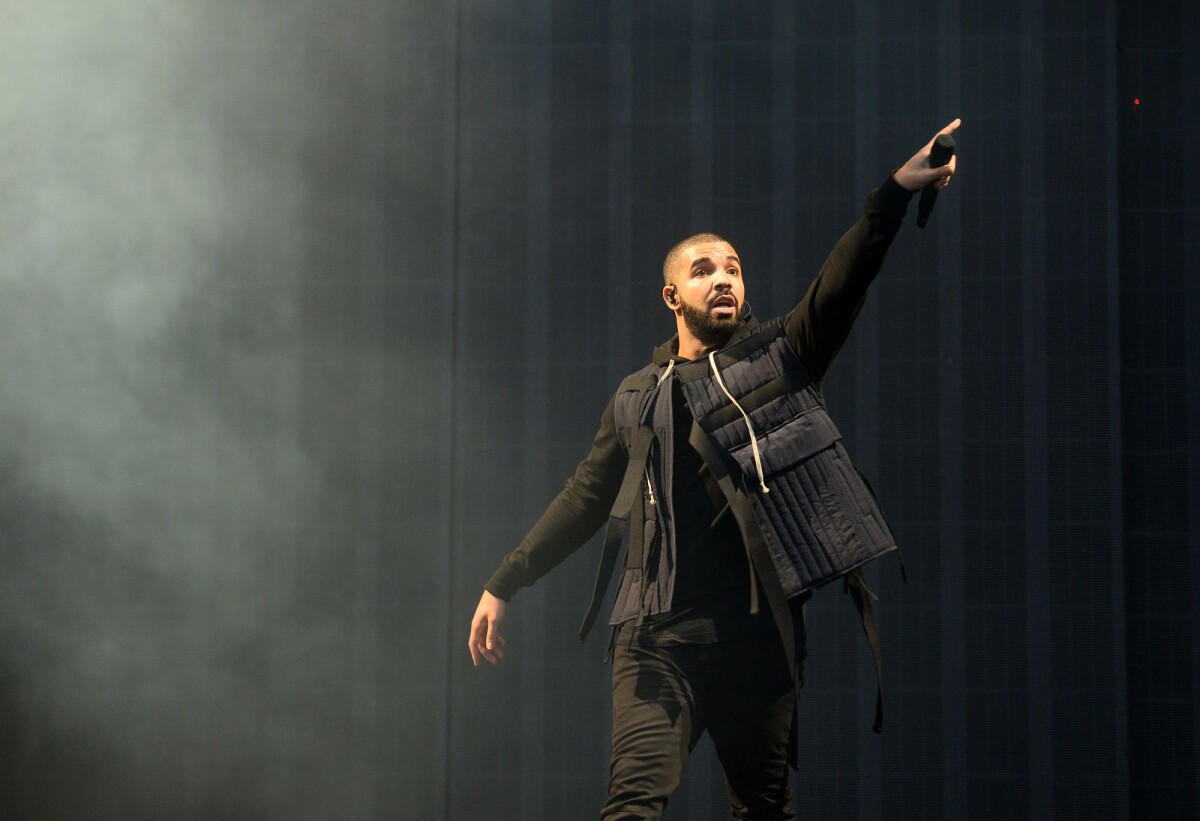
939, 155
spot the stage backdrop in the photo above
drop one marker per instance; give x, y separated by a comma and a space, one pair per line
308, 308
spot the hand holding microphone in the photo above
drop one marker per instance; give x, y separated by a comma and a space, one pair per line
939, 155
930, 170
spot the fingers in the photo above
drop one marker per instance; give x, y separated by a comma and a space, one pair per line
494, 639
952, 165
485, 640
950, 129
916, 173
474, 642
944, 173
494, 642
947, 173
491, 652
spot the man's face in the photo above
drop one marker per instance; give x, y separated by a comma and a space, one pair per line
710, 290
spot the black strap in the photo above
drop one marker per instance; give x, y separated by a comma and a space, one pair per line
618, 522
637, 536
756, 548
786, 382
856, 586
760, 560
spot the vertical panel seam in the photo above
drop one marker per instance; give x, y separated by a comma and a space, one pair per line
532, 792
702, 36
868, 424
783, 144
1189, 101
452, 218
1038, 635
955, 764
1116, 487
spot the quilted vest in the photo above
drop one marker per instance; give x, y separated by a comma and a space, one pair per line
819, 518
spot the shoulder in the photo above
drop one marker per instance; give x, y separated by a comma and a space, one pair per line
626, 401
756, 335
640, 379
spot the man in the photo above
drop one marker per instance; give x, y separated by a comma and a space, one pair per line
720, 460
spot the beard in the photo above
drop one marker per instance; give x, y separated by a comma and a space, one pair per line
713, 331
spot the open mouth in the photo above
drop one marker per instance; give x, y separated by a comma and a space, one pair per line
724, 305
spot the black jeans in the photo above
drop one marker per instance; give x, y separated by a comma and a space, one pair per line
664, 698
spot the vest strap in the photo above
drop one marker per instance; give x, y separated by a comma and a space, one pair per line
856, 585
760, 559
787, 382
618, 523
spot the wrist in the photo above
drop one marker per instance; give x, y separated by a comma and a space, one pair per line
906, 181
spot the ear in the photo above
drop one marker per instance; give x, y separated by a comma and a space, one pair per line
670, 295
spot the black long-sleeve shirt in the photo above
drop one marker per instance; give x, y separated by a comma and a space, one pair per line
711, 562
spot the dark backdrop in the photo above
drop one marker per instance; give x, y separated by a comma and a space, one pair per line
307, 308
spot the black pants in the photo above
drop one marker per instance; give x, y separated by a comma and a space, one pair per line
664, 698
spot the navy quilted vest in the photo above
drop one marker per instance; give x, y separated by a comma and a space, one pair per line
819, 519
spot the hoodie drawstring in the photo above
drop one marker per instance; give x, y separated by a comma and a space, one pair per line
762, 481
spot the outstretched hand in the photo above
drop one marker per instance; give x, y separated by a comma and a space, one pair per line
916, 173
485, 640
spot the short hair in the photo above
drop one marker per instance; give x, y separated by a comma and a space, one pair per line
676, 253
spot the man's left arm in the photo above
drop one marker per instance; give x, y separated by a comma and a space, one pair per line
819, 325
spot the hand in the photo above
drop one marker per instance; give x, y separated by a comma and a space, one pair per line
485, 640
916, 173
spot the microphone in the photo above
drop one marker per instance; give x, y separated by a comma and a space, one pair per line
939, 155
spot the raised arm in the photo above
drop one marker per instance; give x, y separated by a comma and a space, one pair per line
819, 325
569, 521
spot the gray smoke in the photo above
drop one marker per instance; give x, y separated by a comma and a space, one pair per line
169, 624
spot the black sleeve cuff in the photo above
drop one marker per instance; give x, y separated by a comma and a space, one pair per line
892, 198
495, 585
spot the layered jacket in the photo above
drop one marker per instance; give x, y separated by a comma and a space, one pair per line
758, 419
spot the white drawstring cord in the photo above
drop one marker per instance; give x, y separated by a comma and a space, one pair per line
762, 481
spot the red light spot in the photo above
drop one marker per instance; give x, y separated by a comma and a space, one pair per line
1137, 101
